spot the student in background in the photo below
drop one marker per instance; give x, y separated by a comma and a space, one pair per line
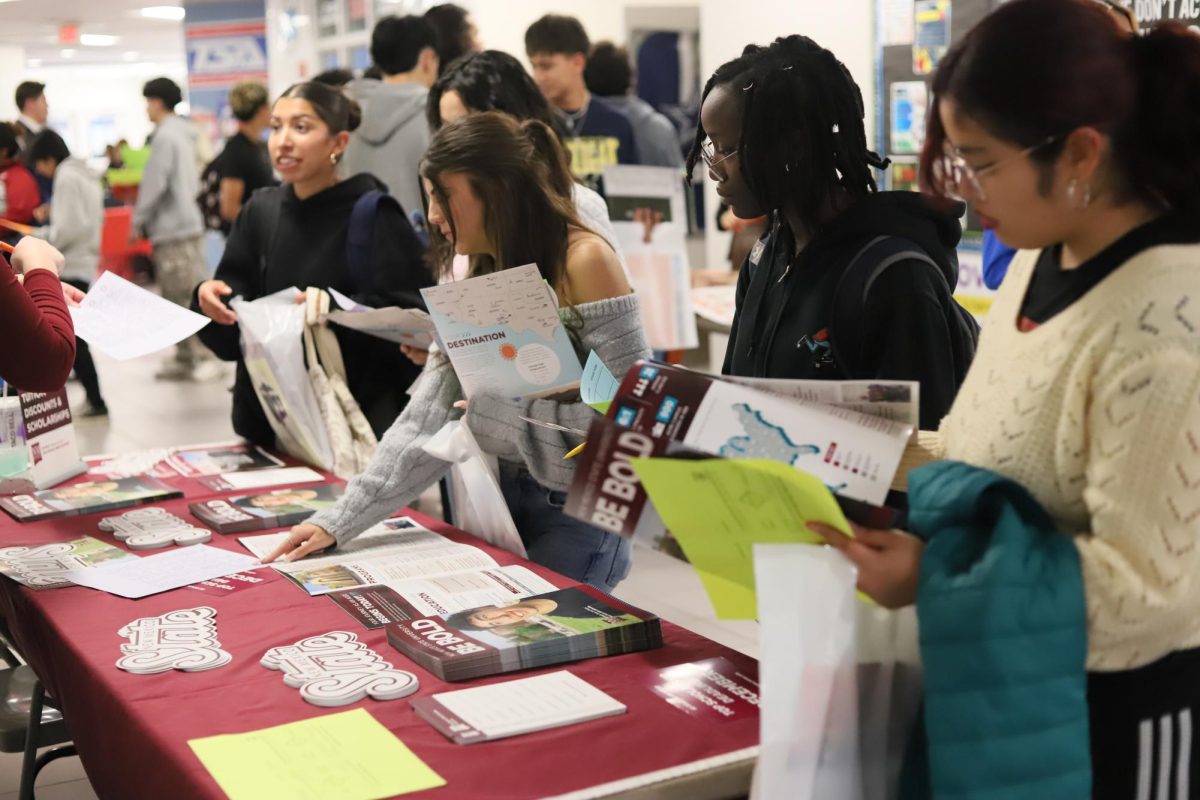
244, 166
609, 75
76, 216
19, 195
33, 111
393, 135
495, 81
295, 236
498, 194
167, 214
37, 338
597, 135
781, 132
1086, 390
456, 33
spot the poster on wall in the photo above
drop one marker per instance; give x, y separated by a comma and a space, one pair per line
896, 22
226, 44
909, 103
931, 37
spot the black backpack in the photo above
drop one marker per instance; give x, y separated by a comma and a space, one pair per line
850, 298
209, 196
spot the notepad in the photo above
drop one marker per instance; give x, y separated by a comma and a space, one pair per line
350, 756
511, 708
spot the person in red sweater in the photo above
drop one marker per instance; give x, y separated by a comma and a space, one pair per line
37, 338
19, 194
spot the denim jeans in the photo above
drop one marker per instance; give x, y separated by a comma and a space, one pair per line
564, 544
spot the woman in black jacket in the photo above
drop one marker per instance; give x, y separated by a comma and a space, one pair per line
782, 135
295, 235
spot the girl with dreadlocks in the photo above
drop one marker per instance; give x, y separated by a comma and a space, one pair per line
847, 282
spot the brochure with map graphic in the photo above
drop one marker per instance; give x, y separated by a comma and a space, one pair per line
86, 498
503, 334
666, 412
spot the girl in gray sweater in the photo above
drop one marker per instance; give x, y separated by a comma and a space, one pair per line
500, 193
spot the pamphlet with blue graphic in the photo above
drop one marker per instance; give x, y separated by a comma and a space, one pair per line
503, 334
663, 411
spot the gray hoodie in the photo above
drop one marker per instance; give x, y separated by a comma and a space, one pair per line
657, 140
76, 216
392, 138
167, 210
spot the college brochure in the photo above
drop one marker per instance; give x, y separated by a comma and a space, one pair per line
256, 512
86, 498
525, 705
503, 335
552, 628
410, 326
200, 461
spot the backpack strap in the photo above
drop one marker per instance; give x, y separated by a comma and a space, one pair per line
850, 296
360, 237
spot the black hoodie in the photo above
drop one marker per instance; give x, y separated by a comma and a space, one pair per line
279, 241
910, 329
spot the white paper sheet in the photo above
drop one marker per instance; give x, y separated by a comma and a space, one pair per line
124, 321
141, 577
257, 479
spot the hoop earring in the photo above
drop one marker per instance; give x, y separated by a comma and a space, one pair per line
1079, 203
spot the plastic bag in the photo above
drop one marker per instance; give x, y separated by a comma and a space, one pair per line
841, 681
272, 330
479, 505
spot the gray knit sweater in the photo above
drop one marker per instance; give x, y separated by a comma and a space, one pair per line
401, 469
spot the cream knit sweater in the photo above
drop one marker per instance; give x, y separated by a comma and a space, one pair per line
1097, 413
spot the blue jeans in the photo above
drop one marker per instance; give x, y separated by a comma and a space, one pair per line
564, 544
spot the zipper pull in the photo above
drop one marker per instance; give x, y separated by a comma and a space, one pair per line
786, 270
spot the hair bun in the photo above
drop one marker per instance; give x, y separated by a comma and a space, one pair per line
353, 114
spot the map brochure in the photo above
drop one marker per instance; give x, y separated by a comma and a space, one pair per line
503, 334
256, 512
410, 326
539, 631
853, 454
86, 498
898, 401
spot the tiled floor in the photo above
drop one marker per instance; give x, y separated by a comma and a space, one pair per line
148, 414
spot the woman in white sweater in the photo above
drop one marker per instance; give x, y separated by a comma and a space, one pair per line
499, 193
1076, 143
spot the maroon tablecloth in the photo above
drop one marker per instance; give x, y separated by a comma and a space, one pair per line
132, 730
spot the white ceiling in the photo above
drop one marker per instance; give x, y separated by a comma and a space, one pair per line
34, 24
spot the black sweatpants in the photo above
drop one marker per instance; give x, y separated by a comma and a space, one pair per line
1142, 729
85, 368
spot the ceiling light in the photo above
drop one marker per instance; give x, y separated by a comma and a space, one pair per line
173, 13
68, 53
97, 40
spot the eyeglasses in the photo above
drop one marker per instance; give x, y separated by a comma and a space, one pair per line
958, 179
708, 152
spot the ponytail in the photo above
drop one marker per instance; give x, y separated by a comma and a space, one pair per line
1158, 146
553, 156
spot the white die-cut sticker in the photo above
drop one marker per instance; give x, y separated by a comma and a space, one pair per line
42, 565
336, 669
152, 528
185, 640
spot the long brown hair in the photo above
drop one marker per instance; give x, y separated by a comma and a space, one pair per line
519, 172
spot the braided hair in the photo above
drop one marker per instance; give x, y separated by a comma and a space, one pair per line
802, 135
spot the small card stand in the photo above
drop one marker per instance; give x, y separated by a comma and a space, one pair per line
152, 528
336, 669
185, 640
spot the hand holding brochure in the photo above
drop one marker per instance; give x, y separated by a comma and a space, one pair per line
503, 334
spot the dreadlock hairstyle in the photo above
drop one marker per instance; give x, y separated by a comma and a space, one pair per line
802, 136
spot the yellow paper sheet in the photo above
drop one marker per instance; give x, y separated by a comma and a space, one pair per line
350, 756
718, 509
